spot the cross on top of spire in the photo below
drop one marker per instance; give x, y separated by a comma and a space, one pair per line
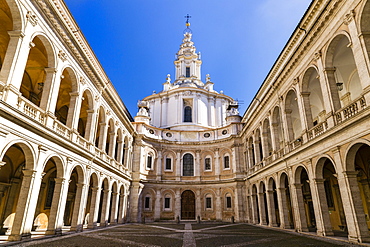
187, 18
187, 30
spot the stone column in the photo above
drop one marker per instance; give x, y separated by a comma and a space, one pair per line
164, 111
283, 209
332, 88
264, 142
197, 163
262, 210
119, 151
289, 124
358, 53
14, 62
325, 89
352, 202
218, 205
320, 204
159, 166
26, 206
50, 91
274, 136
178, 203
113, 215
123, 208
157, 206
78, 209
307, 109
134, 202
94, 207
198, 204
352, 205
217, 163
257, 154
178, 165
57, 207
112, 143
103, 136
271, 207
254, 209
105, 207
74, 111
89, 128
298, 206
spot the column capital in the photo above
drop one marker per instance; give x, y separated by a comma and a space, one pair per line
28, 172
16, 34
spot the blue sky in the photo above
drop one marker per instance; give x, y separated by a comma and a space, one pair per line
136, 40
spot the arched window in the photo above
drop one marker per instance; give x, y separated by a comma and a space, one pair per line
188, 165
187, 114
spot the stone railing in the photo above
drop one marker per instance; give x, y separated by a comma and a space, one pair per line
317, 130
61, 129
296, 143
28, 108
350, 110
279, 153
83, 142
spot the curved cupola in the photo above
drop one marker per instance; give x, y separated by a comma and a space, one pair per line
188, 103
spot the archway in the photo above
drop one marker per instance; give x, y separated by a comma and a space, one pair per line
304, 199
188, 205
53, 171
11, 177
285, 203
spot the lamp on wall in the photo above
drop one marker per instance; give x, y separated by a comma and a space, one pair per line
338, 83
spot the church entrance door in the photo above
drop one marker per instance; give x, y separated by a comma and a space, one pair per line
188, 205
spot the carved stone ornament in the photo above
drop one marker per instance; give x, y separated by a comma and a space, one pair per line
82, 80
317, 55
62, 55
187, 93
31, 18
349, 17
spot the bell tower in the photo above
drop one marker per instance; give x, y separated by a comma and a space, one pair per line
187, 61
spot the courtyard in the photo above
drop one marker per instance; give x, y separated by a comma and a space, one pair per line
188, 234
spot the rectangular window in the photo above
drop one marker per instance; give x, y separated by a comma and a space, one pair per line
228, 202
149, 162
226, 162
207, 164
187, 71
208, 202
167, 203
168, 164
147, 202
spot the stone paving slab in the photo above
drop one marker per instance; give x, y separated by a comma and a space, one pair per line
184, 235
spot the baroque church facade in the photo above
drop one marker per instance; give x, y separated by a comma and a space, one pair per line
72, 157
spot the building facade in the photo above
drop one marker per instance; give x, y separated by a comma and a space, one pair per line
72, 157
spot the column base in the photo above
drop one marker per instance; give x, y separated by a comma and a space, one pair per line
355, 239
324, 233
78, 228
57, 232
92, 226
19, 237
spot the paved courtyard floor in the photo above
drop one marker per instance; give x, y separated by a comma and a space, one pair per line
186, 235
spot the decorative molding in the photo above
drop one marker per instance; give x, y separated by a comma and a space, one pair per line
62, 55
349, 17
32, 18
